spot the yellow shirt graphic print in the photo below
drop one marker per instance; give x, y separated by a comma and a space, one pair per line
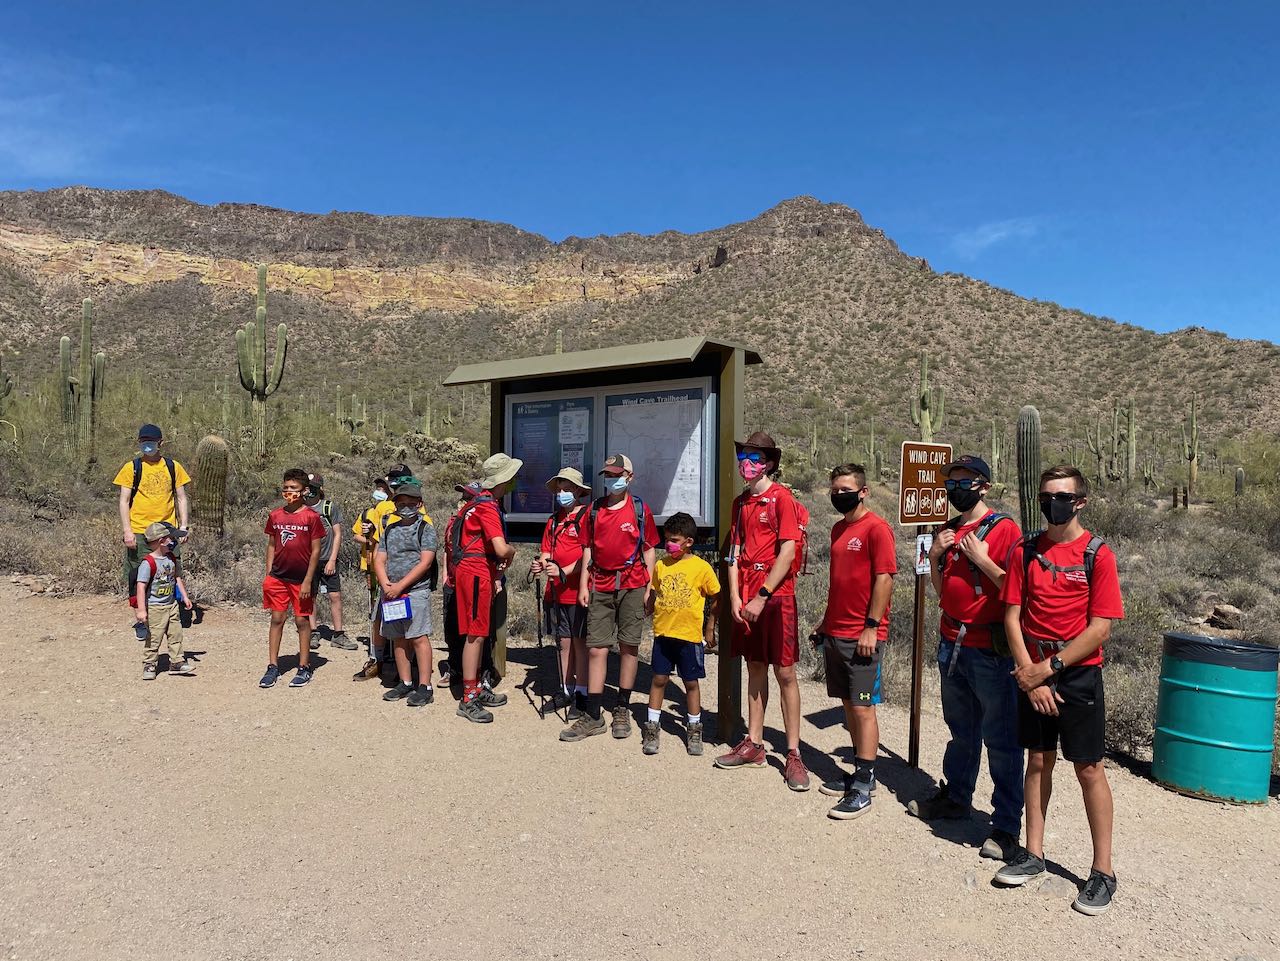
155, 498
681, 588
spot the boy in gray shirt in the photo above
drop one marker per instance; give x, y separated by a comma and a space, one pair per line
160, 589
403, 565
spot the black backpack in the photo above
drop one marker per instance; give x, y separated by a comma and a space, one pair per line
455, 550
1029, 553
137, 477
985, 527
432, 577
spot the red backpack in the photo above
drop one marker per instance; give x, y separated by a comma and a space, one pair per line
800, 564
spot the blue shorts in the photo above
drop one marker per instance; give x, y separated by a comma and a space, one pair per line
672, 656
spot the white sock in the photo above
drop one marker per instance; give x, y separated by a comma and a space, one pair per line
695, 718
654, 715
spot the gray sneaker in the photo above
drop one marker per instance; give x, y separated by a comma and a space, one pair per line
1000, 846
1096, 897
341, 640
183, 669
621, 726
315, 641
940, 806
854, 804
843, 785
649, 732
491, 698
149, 672
473, 710
693, 739
583, 728
1024, 867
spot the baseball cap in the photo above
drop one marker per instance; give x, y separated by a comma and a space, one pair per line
316, 481
410, 488
156, 532
398, 470
616, 464
150, 432
969, 462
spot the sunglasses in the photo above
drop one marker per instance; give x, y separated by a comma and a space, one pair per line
754, 456
965, 484
1062, 497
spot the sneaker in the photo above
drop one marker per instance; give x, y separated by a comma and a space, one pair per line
747, 755
269, 679
1023, 867
1000, 846
443, 670
368, 672
693, 740
649, 732
149, 672
140, 631
473, 710
855, 803
796, 774
421, 696
315, 641
583, 728
621, 726
844, 784
575, 712
396, 693
302, 678
940, 806
183, 669
489, 698
341, 640
1096, 897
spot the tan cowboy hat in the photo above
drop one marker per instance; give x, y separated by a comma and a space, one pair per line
499, 469
761, 441
573, 476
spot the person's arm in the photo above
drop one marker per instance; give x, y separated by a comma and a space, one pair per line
941, 541
735, 596
584, 578
380, 572
979, 552
418, 572
271, 555
331, 565
650, 559
126, 524
777, 574
1097, 633
184, 517
1043, 697
311, 567
140, 594
881, 594
709, 626
186, 595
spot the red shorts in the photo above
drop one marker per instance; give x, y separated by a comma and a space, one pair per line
475, 600
773, 638
278, 595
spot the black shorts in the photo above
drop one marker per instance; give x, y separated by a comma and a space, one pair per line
324, 583
851, 676
564, 620
1080, 726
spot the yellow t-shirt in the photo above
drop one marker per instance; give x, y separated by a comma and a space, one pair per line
681, 588
155, 499
377, 516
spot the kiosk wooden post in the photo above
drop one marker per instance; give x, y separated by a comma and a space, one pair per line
732, 427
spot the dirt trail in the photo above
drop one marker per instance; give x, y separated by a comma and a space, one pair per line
204, 818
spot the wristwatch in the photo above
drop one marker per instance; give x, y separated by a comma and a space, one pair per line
870, 622
765, 593
1056, 665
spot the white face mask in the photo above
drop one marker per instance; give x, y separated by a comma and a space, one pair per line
618, 484
565, 498
379, 495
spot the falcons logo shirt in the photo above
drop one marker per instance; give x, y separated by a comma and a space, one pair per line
291, 534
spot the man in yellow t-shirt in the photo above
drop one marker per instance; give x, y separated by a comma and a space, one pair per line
683, 628
153, 490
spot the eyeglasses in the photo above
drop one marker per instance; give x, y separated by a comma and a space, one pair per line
752, 455
1061, 497
965, 484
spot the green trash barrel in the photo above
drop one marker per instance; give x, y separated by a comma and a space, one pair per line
1215, 720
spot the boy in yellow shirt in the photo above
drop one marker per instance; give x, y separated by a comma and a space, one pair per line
683, 628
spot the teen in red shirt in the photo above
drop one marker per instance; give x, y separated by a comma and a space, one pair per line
1058, 620
763, 541
558, 562
294, 535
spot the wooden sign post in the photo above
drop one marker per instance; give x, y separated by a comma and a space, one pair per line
922, 502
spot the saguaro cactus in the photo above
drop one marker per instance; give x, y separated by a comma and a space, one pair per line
82, 390
1131, 442
927, 409
211, 484
251, 356
1239, 481
6, 385
1029, 468
1191, 448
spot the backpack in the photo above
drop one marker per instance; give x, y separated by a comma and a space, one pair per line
432, 577
1029, 553
137, 477
554, 530
985, 527
596, 507
455, 550
800, 564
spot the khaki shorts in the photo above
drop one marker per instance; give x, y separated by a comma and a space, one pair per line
621, 610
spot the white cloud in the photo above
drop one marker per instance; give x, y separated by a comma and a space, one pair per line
970, 244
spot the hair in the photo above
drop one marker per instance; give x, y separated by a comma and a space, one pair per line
681, 525
1067, 472
851, 470
297, 475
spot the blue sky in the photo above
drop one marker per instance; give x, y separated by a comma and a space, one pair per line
1117, 157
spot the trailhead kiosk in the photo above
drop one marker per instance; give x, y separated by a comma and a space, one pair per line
674, 407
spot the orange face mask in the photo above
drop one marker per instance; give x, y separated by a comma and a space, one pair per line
291, 497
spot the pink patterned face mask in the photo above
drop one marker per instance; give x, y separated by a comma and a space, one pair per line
675, 548
750, 470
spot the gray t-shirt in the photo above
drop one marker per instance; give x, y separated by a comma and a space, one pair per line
403, 544
162, 588
333, 520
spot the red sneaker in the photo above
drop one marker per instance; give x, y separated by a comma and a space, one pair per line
745, 754
796, 773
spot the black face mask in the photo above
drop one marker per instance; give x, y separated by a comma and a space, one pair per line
1058, 512
963, 500
845, 501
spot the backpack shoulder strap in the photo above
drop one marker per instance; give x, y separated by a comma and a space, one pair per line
326, 510
988, 524
137, 479
173, 474
1091, 555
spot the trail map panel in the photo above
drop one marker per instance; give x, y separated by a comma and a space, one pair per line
548, 435
661, 431
922, 498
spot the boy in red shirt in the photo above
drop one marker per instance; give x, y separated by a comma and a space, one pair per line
855, 627
620, 549
763, 540
1063, 592
294, 535
558, 561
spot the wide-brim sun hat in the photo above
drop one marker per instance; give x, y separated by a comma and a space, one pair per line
761, 441
573, 476
498, 469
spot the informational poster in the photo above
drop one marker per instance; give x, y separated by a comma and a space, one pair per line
548, 435
662, 432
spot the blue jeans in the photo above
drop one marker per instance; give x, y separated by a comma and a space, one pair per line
980, 705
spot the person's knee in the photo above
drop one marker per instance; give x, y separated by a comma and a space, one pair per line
279, 617
660, 681
1091, 773
786, 675
1038, 762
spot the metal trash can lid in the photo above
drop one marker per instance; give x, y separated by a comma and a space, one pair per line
1221, 651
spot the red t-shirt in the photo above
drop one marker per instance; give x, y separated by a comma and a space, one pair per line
859, 550
481, 523
1059, 608
613, 543
562, 541
291, 534
960, 602
761, 522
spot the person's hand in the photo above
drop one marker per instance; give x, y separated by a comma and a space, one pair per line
140, 616
1032, 675
709, 638
130, 540
304, 592
584, 596
649, 599
735, 608
551, 569
945, 539
366, 528
753, 609
867, 642
186, 602
330, 569
498, 585
185, 535
1045, 699
537, 566
974, 547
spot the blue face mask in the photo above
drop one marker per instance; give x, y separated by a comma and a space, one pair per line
148, 447
565, 498
618, 484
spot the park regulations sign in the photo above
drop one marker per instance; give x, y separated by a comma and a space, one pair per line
922, 498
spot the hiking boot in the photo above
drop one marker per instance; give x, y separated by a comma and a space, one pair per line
940, 806
488, 698
1096, 897
649, 732
621, 726
368, 672
1023, 867
341, 640
693, 740
1000, 846
796, 774
315, 641
473, 710
583, 728
149, 672
854, 804
183, 669
421, 696
396, 693
746, 755
844, 784
269, 679
302, 678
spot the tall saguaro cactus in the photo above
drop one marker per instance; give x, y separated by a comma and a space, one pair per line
82, 388
251, 356
211, 484
1239, 481
927, 409
1191, 447
6, 385
1131, 442
1029, 468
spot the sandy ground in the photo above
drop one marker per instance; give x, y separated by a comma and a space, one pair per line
204, 818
